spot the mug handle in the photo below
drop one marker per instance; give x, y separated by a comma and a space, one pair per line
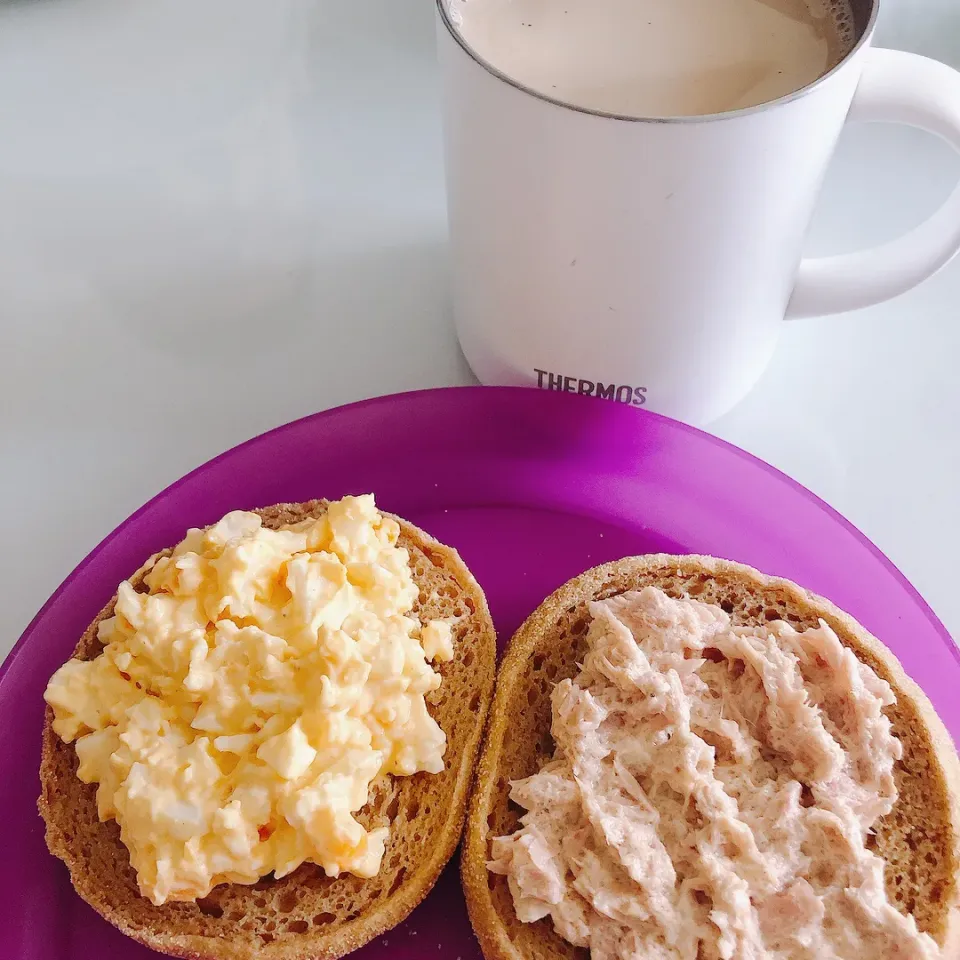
895, 87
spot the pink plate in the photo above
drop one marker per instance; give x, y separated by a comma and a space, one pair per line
532, 488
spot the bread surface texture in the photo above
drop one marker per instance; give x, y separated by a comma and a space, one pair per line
306, 914
919, 840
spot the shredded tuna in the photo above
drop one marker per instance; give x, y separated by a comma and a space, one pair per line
711, 795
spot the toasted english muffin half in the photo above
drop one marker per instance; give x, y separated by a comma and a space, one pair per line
306, 914
919, 840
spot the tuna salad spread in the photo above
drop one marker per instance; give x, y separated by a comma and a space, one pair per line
711, 795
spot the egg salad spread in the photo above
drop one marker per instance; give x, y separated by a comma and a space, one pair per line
241, 708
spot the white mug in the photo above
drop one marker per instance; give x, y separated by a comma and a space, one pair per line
652, 262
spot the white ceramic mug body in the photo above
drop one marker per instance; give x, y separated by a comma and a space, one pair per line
651, 262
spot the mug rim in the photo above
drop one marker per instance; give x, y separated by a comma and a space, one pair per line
498, 74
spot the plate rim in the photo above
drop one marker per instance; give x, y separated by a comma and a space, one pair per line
473, 390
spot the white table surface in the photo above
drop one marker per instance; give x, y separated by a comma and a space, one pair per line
217, 217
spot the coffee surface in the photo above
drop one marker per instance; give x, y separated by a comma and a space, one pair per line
658, 58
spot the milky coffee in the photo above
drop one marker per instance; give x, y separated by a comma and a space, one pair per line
658, 58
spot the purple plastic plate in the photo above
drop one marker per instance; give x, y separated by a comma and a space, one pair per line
532, 488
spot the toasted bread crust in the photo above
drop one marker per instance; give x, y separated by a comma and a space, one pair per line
304, 915
920, 840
